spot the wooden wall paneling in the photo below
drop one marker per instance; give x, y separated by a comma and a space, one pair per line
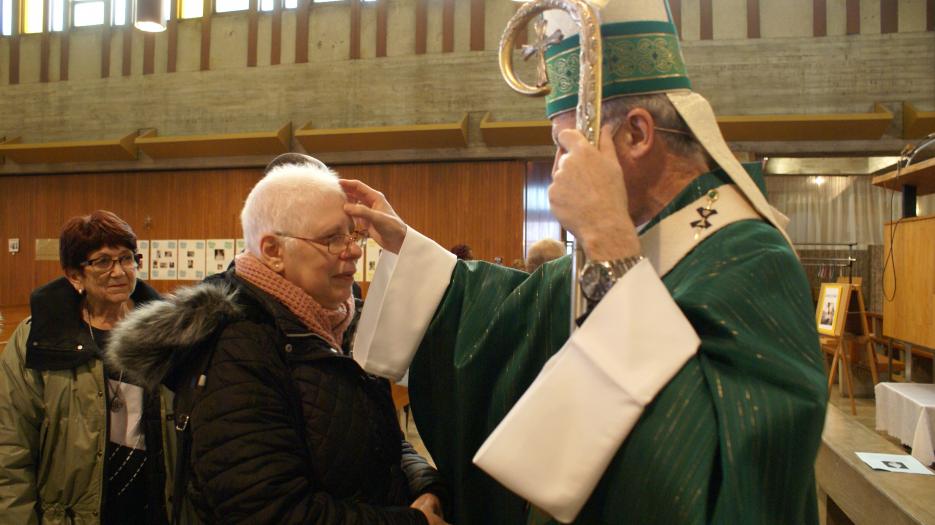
253, 28
930, 15
14, 46
149, 53
127, 50
106, 38
381, 28
44, 52
206, 35
17, 205
355, 30
44, 49
275, 46
853, 17
477, 25
478, 203
172, 38
422, 21
448, 26
14, 59
753, 18
301, 31
707, 20
675, 7
63, 57
819, 17
523, 36
889, 16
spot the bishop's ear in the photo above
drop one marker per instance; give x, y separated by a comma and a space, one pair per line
640, 124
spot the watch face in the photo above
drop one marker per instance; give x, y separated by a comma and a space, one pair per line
592, 278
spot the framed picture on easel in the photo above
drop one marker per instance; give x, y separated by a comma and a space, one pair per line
832, 308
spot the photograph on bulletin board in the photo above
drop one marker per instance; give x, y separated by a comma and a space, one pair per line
191, 260
163, 260
372, 253
219, 254
142, 247
828, 312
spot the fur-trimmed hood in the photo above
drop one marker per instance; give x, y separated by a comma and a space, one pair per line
150, 342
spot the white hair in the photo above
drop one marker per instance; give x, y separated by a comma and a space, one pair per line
285, 200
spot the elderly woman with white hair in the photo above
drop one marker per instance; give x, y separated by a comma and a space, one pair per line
277, 423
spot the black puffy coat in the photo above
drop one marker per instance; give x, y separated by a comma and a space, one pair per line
285, 429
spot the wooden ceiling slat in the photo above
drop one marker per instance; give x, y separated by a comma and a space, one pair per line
70, 151
221, 145
917, 124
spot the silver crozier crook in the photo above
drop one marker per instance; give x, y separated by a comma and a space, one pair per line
588, 112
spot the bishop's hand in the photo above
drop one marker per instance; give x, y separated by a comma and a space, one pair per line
373, 213
589, 198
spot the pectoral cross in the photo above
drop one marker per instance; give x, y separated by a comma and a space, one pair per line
542, 43
705, 212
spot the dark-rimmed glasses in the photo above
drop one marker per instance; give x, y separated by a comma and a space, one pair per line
105, 263
336, 244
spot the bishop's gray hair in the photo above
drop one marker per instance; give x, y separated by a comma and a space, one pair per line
286, 199
664, 114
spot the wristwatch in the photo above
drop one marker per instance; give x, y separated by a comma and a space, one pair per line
597, 277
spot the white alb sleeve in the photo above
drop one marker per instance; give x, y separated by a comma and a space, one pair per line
402, 298
589, 396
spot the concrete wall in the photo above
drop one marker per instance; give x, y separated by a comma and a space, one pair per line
786, 71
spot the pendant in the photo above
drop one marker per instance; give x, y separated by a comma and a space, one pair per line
116, 404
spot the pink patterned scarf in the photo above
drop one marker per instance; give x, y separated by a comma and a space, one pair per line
329, 324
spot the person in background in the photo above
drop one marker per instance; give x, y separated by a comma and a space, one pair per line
543, 251
285, 428
79, 441
463, 252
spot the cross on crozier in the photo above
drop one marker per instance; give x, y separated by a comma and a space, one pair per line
542, 43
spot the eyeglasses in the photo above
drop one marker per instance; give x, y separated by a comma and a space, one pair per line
103, 264
337, 244
676, 131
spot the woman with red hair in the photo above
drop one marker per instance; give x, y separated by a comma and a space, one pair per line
79, 442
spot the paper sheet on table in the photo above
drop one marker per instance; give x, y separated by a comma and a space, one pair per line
902, 463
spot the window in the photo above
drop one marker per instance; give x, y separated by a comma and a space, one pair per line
267, 5
87, 13
191, 9
32, 16
119, 12
57, 15
6, 17
226, 6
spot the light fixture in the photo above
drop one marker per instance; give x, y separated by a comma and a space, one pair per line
818, 180
148, 16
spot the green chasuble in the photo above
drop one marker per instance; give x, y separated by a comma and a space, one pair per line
731, 439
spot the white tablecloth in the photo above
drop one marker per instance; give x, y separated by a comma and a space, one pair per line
907, 411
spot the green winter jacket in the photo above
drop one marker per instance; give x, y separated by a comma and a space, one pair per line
53, 418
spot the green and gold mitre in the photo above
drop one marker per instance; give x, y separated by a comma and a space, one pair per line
639, 55
642, 55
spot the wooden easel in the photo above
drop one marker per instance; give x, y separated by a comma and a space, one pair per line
854, 324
